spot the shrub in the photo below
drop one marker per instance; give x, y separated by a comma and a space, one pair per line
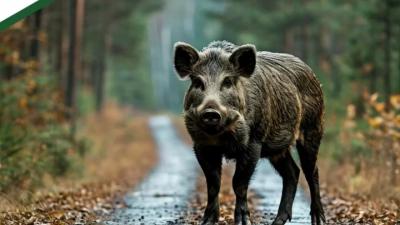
34, 137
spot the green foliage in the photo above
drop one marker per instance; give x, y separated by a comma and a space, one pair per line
34, 140
126, 58
130, 82
85, 102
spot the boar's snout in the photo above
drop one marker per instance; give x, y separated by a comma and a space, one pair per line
210, 117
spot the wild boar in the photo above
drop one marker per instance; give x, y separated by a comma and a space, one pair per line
246, 105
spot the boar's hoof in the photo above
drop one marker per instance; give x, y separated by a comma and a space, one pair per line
317, 214
209, 220
209, 223
242, 219
279, 221
245, 221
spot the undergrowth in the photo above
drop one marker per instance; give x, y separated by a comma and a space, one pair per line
35, 139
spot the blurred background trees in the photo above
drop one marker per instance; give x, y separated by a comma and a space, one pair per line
58, 65
67, 60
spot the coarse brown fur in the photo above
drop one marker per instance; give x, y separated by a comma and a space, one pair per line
263, 103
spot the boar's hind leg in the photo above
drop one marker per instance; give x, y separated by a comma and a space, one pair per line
287, 168
211, 165
308, 152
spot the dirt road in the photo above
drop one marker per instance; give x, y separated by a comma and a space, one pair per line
164, 196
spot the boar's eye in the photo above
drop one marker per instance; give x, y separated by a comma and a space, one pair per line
227, 83
198, 83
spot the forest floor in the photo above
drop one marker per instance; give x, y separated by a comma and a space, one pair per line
344, 205
124, 136
122, 154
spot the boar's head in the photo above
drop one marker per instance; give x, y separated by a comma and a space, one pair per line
215, 103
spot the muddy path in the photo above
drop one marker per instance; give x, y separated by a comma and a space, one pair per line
164, 196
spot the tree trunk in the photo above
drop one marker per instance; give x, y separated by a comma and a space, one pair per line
305, 42
387, 54
325, 52
372, 80
71, 68
60, 38
99, 76
75, 35
289, 40
305, 36
35, 42
80, 14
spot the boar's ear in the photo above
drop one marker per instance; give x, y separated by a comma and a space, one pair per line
243, 59
185, 56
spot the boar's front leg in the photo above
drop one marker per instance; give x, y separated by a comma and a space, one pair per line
245, 165
210, 161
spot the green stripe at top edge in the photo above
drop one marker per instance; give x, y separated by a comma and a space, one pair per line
23, 13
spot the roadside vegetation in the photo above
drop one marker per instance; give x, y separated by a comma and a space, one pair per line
69, 140
77, 77
112, 166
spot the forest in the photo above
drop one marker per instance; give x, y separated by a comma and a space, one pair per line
80, 72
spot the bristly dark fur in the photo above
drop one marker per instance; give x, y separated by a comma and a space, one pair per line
267, 103
224, 45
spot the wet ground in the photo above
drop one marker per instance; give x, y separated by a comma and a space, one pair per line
164, 196
268, 187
